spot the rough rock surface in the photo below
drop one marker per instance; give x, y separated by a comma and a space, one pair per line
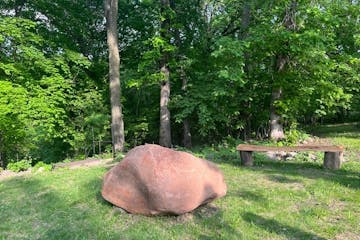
154, 180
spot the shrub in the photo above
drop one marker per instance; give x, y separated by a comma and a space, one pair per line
44, 166
294, 135
22, 165
1, 169
119, 157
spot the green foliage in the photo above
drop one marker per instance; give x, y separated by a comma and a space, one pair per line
119, 157
12, 113
294, 135
21, 165
222, 55
43, 166
45, 95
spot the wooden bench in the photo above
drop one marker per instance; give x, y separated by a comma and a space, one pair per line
332, 157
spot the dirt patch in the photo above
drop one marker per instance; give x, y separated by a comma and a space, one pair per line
7, 174
184, 218
337, 205
317, 141
206, 211
84, 163
347, 236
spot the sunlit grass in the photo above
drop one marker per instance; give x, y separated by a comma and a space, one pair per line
272, 200
347, 134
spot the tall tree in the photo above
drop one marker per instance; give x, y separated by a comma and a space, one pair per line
165, 127
117, 123
182, 47
276, 127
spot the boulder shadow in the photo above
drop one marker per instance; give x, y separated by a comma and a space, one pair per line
211, 217
96, 183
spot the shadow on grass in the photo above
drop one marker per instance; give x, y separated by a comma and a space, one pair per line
249, 195
207, 216
96, 185
272, 225
282, 179
350, 179
46, 212
350, 130
280, 170
211, 218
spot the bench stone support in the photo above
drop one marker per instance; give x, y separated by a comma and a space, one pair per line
332, 160
246, 158
332, 157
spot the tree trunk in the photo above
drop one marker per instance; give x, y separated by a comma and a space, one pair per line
245, 23
186, 125
19, 4
245, 20
276, 127
186, 139
165, 127
186, 134
117, 123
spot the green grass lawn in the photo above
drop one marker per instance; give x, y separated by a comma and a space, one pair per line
347, 134
272, 200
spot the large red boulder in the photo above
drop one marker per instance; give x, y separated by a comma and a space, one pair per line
155, 180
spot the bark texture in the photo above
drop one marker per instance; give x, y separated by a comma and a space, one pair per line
276, 127
282, 60
165, 126
117, 123
186, 138
186, 134
186, 124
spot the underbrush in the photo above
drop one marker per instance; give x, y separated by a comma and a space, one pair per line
21, 165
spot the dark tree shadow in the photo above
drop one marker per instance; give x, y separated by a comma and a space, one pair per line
249, 195
350, 179
282, 179
281, 170
272, 225
64, 217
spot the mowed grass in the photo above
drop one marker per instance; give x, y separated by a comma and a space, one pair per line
347, 134
272, 200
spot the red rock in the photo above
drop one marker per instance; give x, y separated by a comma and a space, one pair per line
154, 180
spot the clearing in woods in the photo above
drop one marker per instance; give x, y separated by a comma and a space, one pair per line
272, 200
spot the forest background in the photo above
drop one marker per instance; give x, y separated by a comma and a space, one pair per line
236, 69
